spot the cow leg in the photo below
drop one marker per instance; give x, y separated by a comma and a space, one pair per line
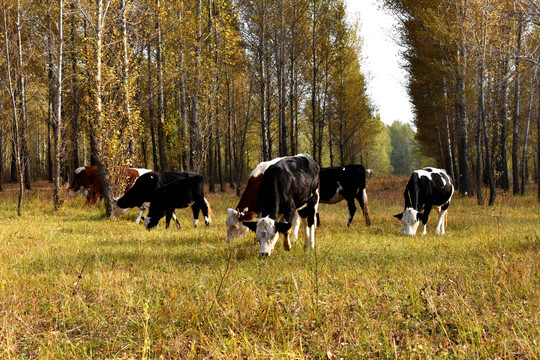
425, 217
363, 200
312, 210
442, 218
352, 209
141, 212
305, 227
295, 225
176, 221
195, 209
205, 208
168, 217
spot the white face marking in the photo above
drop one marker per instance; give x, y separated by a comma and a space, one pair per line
79, 169
409, 221
266, 235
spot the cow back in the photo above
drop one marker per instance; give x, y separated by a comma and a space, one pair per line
293, 181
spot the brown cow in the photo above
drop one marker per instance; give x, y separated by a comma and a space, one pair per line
83, 177
87, 178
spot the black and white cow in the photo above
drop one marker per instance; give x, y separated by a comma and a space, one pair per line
140, 193
345, 183
177, 195
426, 188
289, 185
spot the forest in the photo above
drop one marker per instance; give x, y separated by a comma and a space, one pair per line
217, 86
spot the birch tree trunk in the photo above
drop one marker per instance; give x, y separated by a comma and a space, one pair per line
161, 98
515, 122
526, 137
58, 111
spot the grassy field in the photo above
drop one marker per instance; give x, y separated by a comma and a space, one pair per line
76, 285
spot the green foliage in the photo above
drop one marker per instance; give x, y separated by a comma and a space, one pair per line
75, 285
404, 156
378, 156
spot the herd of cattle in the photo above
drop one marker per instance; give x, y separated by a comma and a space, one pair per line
281, 194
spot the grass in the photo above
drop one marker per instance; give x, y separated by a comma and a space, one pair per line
76, 285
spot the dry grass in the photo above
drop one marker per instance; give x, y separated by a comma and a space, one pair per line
76, 285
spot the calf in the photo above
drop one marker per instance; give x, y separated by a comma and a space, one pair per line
248, 206
426, 188
178, 194
289, 185
349, 183
140, 193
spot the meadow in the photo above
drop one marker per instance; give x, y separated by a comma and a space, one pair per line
75, 285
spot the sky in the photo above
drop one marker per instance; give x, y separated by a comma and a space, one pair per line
381, 58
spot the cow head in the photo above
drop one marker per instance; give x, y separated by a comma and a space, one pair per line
117, 211
410, 220
235, 228
267, 232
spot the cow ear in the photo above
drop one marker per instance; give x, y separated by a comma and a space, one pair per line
419, 216
251, 225
399, 216
282, 227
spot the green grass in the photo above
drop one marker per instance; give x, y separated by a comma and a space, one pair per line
76, 285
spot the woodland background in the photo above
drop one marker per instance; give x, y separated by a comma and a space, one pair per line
216, 86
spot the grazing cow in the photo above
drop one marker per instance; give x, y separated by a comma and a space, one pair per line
289, 185
143, 188
178, 194
426, 188
124, 175
248, 206
83, 177
369, 174
348, 182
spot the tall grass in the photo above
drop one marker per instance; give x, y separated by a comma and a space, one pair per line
74, 284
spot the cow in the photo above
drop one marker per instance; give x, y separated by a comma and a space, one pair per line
248, 206
289, 185
178, 194
83, 177
140, 193
345, 183
426, 188
124, 176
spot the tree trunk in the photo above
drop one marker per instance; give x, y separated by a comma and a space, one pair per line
502, 167
75, 92
194, 133
151, 118
229, 129
243, 142
22, 104
526, 137
515, 122
161, 100
314, 82
125, 79
58, 111
102, 167
1, 158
